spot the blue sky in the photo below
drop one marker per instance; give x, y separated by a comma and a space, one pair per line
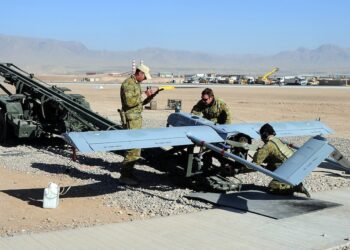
221, 26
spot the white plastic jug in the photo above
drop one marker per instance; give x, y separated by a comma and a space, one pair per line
51, 196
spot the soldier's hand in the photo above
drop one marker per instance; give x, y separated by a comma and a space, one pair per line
149, 92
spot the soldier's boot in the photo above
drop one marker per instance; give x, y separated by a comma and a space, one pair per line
301, 189
280, 188
127, 176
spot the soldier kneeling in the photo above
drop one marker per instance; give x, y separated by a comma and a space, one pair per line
273, 154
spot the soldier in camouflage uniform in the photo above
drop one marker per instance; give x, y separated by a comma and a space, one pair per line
273, 154
212, 108
131, 118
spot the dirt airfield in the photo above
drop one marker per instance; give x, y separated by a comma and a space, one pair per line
248, 104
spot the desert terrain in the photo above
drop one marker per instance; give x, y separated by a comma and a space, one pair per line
248, 104
91, 203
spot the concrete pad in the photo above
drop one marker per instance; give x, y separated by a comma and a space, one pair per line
265, 204
211, 229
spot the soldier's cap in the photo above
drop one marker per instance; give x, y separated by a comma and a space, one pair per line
145, 70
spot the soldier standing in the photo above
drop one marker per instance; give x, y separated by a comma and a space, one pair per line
131, 118
274, 153
212, 108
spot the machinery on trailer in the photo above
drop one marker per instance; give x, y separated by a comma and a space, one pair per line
36, 109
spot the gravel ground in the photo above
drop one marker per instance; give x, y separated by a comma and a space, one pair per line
159, 193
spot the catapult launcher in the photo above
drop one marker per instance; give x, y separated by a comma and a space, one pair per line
34, 108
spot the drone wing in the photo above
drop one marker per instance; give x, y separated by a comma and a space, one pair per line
283, 129
112, 140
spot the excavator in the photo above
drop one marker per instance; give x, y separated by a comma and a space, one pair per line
265, 78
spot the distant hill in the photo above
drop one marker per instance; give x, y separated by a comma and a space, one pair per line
52, 56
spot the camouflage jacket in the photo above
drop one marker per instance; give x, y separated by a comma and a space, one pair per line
217, 112
273, 153
131, 97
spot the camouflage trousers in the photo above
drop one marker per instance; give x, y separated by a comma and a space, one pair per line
132, 155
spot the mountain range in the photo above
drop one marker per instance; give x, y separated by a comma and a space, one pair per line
65, 57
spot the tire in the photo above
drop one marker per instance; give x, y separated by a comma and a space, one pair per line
7, 135
3, 127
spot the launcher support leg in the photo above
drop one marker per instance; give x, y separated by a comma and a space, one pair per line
189, 161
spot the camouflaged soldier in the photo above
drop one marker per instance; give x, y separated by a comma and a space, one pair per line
131, 118
212, 108
274, 153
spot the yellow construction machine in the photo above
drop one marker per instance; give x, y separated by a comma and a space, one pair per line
265, 78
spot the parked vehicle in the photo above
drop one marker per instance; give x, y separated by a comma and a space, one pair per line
265, 79
292, 80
